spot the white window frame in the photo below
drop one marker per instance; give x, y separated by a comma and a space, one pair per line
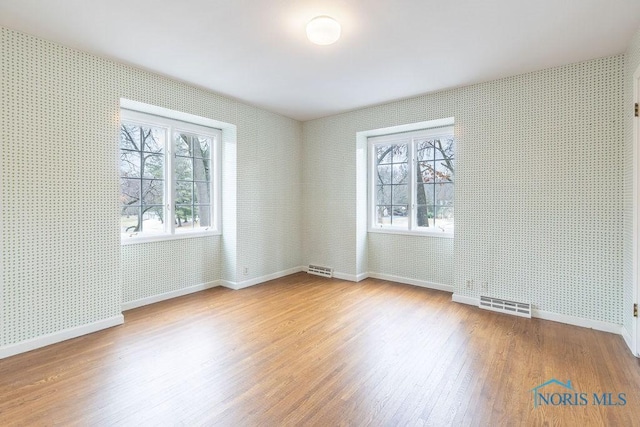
171, 125
403, 137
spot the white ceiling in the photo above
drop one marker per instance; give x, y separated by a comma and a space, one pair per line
256, 50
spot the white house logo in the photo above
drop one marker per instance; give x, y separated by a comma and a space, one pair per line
567, 396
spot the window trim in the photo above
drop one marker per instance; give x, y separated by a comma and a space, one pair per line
402, 135
172, 125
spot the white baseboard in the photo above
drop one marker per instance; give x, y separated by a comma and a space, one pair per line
227, 284
414, 282
362, 276
168, 295
629, 341
345, 276
251, 282
463, 299
555, 317
56, 337
578, 321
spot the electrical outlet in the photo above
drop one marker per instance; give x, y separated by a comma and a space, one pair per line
470, 284
245, 271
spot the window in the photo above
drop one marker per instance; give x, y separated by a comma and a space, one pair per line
411, 182
168, 169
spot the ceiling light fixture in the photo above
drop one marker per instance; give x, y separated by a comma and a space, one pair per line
323, 30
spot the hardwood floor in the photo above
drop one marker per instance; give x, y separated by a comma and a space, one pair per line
304, 350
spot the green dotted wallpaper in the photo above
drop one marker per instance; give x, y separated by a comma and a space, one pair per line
539, 191
63, 265
543, 188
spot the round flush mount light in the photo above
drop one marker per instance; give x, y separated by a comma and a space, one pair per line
323, 30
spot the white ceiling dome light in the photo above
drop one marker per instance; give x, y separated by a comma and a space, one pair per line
323, 30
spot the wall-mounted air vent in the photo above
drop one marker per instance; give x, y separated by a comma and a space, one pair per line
504, 306
320, 271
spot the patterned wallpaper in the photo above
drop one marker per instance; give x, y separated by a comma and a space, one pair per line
189, 262
60, 243
538, 190
541, 210
270, 213
63, 265
539, 205
631, 64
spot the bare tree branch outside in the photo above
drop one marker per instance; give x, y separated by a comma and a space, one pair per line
141, 176
142, 179
193, 180
434, 177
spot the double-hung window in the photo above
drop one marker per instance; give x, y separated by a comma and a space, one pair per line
169, 178
411, 182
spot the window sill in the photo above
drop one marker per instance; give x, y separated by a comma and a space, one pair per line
412, 233
126, 240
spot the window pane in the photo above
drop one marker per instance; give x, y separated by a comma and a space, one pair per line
424, 216
202, 214
425, 194
444, 171
142, 199
202, 193
129, 137
152, 191
402, 210
383, 215
424, 150
426, 172
129, 219
202, 147
129, 191
153, 139
383, 195
201, 170
400, 153
184, 192
153, 166
183, 218
152, 221
399, 216
400, 173
193, 186
129, 164
400, 194
444, 148
444, 219
193, 145
184, 168
384, 174
444, 194
384, 154
183, 144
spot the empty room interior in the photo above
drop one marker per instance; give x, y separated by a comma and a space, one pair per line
320, 213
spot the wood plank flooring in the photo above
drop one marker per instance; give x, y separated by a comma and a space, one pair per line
304, 350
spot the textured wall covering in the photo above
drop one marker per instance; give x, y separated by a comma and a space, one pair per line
538, 190
330, 188
60, 242
418, 258
269, 206
155, 268
631, 64
63, 265
539, 202
541, 210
